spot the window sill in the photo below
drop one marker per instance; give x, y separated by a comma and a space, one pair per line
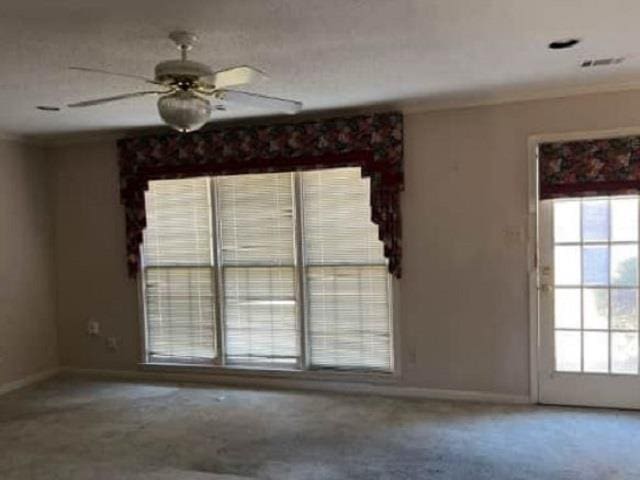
272, 373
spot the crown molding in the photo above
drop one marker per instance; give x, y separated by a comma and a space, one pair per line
12, 137
487, 100
407, 107
72, 139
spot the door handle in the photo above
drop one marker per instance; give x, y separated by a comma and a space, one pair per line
545, 272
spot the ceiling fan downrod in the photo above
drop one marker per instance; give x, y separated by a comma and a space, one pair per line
184, 41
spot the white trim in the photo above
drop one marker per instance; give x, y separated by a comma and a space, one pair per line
532, 251
217, 272
532, 270
346, 387
141, 313
28, 380
397, 345
302, 289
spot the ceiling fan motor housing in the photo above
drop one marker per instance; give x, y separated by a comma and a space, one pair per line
173, 72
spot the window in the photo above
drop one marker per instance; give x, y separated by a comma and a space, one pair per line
281, 270
595, 245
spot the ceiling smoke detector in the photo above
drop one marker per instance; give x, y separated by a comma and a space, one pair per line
602, 62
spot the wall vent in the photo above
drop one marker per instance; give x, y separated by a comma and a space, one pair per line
602, 62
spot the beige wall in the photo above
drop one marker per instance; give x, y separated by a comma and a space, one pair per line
92, 281
27, 301
463, 299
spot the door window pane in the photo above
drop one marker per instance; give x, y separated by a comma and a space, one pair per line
566, 221
595, 264
567, 265
568, 351
624, 219
624, 352
596, 308
596, 352
624, 309
567, 308
624, 264
595, 220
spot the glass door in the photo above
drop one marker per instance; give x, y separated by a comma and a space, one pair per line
588, 281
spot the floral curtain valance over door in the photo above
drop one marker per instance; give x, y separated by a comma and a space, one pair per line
589, 167
372, 142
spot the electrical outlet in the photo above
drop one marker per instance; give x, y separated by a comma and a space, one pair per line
112, 344
93, 327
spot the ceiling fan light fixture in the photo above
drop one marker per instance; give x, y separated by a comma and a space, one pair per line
184, 110
185, 87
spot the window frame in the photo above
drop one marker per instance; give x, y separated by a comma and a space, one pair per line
303, 367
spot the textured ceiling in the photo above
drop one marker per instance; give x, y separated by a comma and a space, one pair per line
330, 54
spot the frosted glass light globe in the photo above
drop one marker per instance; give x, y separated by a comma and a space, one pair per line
183, 110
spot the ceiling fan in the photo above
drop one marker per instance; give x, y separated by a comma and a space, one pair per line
185, 88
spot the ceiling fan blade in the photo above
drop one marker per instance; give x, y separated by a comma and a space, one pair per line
117, 74
99, 101
259, 101
230, 77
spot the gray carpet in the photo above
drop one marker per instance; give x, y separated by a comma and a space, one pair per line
80, 429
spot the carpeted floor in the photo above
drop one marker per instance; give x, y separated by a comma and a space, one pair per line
80, 429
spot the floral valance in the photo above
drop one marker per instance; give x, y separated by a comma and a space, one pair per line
589, 167
372, 142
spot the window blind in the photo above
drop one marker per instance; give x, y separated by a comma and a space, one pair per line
256, 221
179, 275
242, 236
347, 281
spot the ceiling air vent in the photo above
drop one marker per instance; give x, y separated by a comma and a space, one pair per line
602, 62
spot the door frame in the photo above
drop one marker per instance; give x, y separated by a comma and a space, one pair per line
533, 232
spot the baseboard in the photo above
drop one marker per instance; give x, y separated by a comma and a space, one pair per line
300, 384
28, 380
